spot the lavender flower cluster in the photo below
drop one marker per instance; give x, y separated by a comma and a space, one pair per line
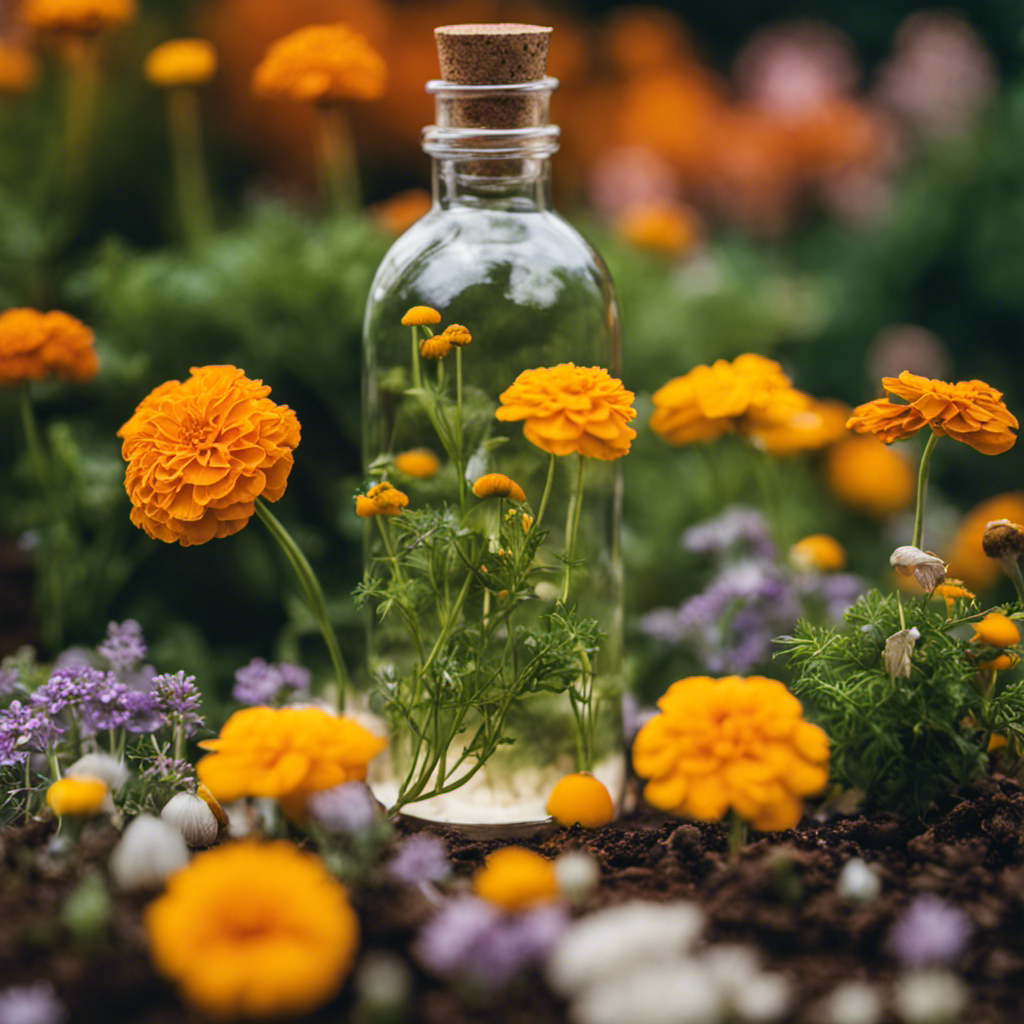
261, 682
751, 598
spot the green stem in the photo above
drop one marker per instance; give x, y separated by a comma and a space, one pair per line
83, 86
190, 179
336, 156
581, 465
460, 440
417, 371
389, 548
737, 835
922, 486
1012, 567
314, 594
33, 442
545, 496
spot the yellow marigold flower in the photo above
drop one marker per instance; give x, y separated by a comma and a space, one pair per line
581, 799
996, 630
668, 228
420, 463
34, 344
417, 316
399, 212
969, 411
568, 408
867, 476
731, 742
17, 69
81, 795
435, 347
286, 753
254, 930
497, 485
77, 16
200, 452
800, 429
514, 878
457, 335
181, 62
709, 401
818, 551
383, 499
967, 558
321, 64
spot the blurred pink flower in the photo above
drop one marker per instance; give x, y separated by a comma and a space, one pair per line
630, 176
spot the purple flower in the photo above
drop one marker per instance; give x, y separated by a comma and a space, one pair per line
930, 931
143, 711
739, 530
164, 767
347, 808
31, 1004
73, 657
105, 708
25, 729
10, 681
421, 858
263, 683
124, 647
179, 699
69, 687
477, 943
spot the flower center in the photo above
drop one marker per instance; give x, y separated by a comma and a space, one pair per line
194, 432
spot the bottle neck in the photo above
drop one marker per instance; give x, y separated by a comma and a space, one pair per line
491, 145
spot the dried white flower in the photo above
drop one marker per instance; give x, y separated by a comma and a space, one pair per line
668, 993
929, 570
148, 853
853, 1002
578, 874
929, 997
192, 817
858, 881
765, 998
547, 591
898, 649
614, 941
109, 769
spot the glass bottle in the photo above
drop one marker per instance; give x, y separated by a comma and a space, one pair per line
493, 256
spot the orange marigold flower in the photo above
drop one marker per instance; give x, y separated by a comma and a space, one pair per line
750, 393
420, 463
17, 69
321, 64
996, 630
78, 796
514, 878
254, 930
967, 558
200, 452
181, 62
497, 485
34, 344
969, 411
437, 346
818, 424
457, 335
668, 228
731, 742
77, 16
417, 316
952, 590
581, 799
383, 499
568, 408
1000, 664
399, 212
867, 476
287, 754
818, 551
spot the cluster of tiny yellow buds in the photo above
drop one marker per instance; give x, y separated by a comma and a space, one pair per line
383, 499
497, 485
457, 335
527, 522
435, 347
417, 316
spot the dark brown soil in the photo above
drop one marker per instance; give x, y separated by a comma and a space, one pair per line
779, 896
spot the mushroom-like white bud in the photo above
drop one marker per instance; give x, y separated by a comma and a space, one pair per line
109, 769
148, 853
578, 874
192, 817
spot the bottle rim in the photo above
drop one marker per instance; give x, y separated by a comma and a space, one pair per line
440, 87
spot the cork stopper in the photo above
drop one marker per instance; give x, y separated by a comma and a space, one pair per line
494, 55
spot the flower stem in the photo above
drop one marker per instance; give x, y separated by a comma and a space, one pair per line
190, 179
417, 373
737, 835
460, 440
581, 465
545, 496
389, 548
314, 594
83, 86
922, 486
33, 442
335, 154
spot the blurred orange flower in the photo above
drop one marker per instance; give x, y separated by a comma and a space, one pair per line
420, 463
668, 228
966, 557
819, 424
515, 878
201, 452
399, 212
17, 69
33, 344
254, 930
867, 476
969, 411
321, 64
77, 16
568, 408
181, 62
731, 743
